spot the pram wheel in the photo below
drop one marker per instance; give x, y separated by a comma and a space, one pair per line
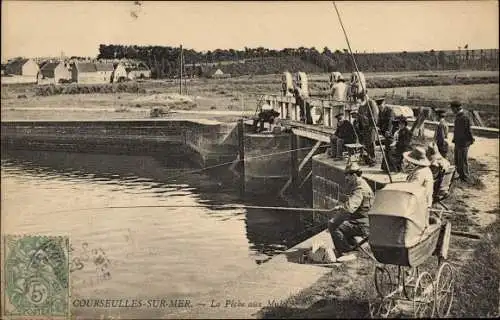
424, 296
384, 283
381, 308
444, 290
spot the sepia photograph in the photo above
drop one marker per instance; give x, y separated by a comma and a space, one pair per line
249, 159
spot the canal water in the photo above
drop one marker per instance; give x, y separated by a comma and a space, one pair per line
152, 252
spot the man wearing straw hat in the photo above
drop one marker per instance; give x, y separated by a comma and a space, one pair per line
417, 167
351, 219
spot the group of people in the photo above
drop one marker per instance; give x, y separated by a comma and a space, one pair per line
424, 166
374, 117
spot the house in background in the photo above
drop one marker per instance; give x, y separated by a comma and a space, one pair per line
105, 71
219, 74
24, 70
119, 73
54, 72
139, 71
90, 72
22, 67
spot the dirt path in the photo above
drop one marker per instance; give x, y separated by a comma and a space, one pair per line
483, 200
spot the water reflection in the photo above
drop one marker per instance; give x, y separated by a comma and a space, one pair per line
169, 179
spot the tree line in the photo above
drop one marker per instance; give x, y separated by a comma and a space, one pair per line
164, 61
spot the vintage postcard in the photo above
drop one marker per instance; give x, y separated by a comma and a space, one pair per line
249, 159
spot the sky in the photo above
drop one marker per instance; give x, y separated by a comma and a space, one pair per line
47, 28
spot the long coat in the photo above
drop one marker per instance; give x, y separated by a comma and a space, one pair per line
385, 121
462, 136
368, 120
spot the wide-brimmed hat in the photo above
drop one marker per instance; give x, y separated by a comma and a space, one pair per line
352, 167
417, 156
455, 104
379, 100
340, 114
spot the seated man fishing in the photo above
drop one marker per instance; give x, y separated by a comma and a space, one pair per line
267, 114
345, 132
351, 218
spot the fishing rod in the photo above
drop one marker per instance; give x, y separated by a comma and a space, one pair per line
212, 206
363, 87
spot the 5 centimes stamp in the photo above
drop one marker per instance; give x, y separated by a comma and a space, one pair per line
36, 277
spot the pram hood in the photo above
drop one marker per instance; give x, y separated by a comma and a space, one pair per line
401, 200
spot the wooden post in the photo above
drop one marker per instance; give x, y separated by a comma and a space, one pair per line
294, 168
180, 73
241, 153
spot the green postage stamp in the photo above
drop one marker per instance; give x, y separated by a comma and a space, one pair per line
36, 277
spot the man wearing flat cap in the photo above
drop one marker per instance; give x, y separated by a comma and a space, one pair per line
463, 139
351, 218
344, 131
441, 134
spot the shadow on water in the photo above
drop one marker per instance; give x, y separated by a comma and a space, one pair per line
268, 231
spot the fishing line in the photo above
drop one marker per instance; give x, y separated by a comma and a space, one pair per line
235, 161
214, 206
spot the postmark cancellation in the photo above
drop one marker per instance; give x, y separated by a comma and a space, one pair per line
35, 277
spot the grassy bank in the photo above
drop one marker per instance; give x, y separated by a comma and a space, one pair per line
239, 93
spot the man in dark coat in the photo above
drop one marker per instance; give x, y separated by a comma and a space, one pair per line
463, 139
344, 131
385, 119
441, 134
368, 117
267, 114
401, 144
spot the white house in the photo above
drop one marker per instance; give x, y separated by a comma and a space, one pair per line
90, 72
54, 72
120, 73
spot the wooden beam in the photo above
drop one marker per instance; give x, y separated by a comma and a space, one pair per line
311, 135
305, 179
477, 118
294, 159
241, 152
309, 155
301, 166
